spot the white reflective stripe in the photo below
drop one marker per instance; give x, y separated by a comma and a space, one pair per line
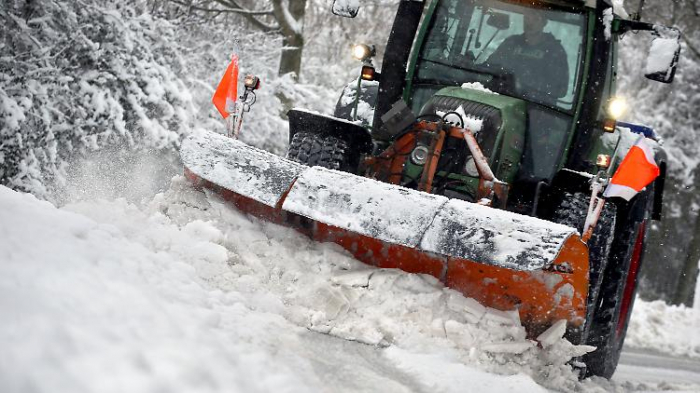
648, 152
625, 192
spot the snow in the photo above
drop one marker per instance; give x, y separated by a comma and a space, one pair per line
663, 328
608, 18
662, 55
117, 82
365, 111
297, 26
346, 7
468, 121
478, 87
553, 334
122, 305
445, 375
619, 7
234, 165
488, 235
185, 293
390, 213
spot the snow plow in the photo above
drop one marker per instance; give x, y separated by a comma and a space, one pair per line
487, 153
522, 263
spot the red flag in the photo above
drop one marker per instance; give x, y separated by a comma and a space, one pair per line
227, 92
637, 170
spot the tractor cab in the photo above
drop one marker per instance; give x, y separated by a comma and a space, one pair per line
531, 53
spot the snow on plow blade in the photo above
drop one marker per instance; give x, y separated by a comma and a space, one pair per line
505, 260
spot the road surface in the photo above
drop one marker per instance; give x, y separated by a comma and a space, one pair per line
638, 366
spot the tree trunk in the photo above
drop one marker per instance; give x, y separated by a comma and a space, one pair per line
290, 60
292, 33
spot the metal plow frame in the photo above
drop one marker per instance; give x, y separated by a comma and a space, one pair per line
352, 211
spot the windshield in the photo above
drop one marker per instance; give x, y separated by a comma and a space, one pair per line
525, 52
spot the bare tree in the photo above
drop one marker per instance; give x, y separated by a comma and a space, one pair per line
283, 17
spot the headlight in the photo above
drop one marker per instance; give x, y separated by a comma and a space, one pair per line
617, 107
362, 52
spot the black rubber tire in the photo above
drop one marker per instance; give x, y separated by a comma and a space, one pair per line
304, 148
320, 150
604, 333
572, 211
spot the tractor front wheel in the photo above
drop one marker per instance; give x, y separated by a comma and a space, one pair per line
608, 325
612, 314
321, 150
572, 211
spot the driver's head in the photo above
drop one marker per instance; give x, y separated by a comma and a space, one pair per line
533, 23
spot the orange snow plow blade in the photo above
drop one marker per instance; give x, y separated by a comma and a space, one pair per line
502, 259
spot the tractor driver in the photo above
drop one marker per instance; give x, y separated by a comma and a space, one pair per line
536, 60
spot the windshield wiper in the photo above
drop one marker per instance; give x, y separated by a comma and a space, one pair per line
474, 70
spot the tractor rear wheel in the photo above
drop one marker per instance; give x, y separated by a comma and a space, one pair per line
320, 150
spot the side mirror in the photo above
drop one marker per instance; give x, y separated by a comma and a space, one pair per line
346, 8
663, 55
498, 20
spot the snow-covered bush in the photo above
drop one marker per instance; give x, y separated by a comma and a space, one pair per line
77, 76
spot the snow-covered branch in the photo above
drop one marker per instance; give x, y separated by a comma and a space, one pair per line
230, 10
218, 7
288, 23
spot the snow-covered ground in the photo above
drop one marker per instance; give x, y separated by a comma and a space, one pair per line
183, 293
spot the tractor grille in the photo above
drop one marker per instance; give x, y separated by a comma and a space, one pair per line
491, 117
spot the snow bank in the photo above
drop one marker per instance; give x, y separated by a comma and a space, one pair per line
669, 329
187, 294
123, 305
